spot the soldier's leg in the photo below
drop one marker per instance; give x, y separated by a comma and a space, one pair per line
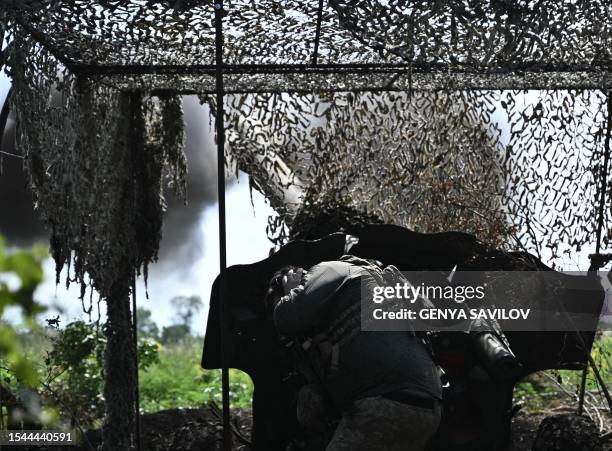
378, 423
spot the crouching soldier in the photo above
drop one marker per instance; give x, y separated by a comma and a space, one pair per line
384, 385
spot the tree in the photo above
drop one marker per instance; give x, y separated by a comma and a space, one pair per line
174, 334
147, 328
186, 308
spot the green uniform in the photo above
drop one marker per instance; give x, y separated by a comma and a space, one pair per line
379, 424
370, 363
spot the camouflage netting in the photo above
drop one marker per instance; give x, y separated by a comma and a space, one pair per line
497, 44
442, 140
496, 35
406, 112
424, 160
97, 159
432, 161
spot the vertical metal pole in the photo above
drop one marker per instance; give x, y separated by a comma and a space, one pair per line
604, 174
137, 388
600, 222
582, 386
315, 55
220, 128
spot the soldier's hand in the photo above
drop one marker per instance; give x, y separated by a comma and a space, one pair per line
292, 280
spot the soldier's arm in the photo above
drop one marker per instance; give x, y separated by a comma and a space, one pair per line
305, 305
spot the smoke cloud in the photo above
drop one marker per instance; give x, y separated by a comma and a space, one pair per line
18, 222
182, 239
182, 236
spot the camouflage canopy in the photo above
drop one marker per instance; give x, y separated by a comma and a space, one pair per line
272, 45
409, 112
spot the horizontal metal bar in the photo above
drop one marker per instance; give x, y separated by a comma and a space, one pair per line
415, 68
351, 82
166, 92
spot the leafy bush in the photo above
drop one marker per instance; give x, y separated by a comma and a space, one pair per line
170, 376
26, 266
177, 380
75, 370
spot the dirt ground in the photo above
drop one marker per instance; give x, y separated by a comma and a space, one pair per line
524, 428
525, 425
201, 430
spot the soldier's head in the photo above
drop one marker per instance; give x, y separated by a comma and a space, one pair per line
281, 283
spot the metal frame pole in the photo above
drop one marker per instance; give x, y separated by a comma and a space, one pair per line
315, 53
604, 175
220, 129
137, 388
594, 267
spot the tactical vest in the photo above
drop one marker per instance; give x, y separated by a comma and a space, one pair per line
323, 348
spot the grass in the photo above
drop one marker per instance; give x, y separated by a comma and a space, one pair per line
177, 380
536, 390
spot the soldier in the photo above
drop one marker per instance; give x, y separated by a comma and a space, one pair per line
384, 385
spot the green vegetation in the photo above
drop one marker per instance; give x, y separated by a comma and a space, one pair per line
176, 380
61, 368
541, 389
25, 269
73, 368
68, 365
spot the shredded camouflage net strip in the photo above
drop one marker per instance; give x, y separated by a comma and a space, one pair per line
97, 160
424, 161
431, 161
497, 35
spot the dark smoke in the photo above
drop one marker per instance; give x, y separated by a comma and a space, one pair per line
182, 239
19, 223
